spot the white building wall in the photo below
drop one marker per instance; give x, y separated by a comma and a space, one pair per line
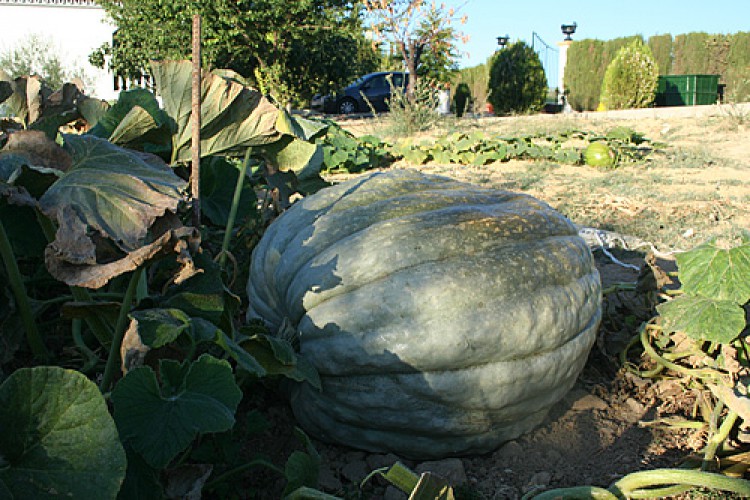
75, 27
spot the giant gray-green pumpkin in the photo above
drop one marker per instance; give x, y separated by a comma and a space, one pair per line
443, 318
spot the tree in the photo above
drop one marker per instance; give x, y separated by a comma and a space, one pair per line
631, 78
420, 31
37, 55
517, 80
291, 48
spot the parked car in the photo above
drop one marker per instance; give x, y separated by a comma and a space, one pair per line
372, 90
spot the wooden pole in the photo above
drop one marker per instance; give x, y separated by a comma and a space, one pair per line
196, 120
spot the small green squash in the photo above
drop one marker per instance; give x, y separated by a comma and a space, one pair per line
443, 318
598, 154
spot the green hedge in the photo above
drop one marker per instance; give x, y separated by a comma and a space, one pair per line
584, 72
661, 48
687, 54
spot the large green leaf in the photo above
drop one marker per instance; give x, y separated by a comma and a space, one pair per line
703, 318
112, 191
303, 158
301, 128
161, 421
218, 181
141, 480
118, 115
278, 358
720, 273
115, 209
233, 117
19, 169
203, 295
207, 331
6, 90
57, 438
159, 327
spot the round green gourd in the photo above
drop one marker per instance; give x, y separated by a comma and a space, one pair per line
598, 154
443, 318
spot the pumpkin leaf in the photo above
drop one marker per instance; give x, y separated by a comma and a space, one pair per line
58, 438
301, 128
113, 191
208, 332
278, 358
720, 273
92, 110
115, 210
18, 169
703, 318
218, 181
203, 295
161, 421
233, 117
141, 480
134, 114
302, 467
6, 90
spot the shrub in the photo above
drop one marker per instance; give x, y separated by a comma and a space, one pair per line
462, 99
409, 116
517, 80
631, 78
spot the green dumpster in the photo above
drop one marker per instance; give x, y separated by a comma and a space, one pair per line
687, 90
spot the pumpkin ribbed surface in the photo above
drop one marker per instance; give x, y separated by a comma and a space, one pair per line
443, 318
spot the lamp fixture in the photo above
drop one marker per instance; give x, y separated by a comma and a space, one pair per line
568, 29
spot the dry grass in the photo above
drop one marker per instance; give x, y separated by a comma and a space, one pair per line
697, 188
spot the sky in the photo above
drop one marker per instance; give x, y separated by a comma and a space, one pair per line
599, 19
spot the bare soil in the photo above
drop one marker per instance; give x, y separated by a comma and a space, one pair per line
607, 426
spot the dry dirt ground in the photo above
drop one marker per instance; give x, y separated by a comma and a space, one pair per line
606, 426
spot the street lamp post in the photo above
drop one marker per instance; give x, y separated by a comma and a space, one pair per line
502, 41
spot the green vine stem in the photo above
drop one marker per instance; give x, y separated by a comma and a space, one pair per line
240, 469
22, 299
91, 358
233, 209
718, 438
637, 484
576, 493
113, 361
702, 374
98, 327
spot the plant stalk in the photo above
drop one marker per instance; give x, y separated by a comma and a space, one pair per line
233, 209
33, 337
575, 493
242, 468
196, 122
635, 485
718, 438
113, 361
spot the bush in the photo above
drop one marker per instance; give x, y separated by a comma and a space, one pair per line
409, 116
631, 78
517, 80
462, 99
